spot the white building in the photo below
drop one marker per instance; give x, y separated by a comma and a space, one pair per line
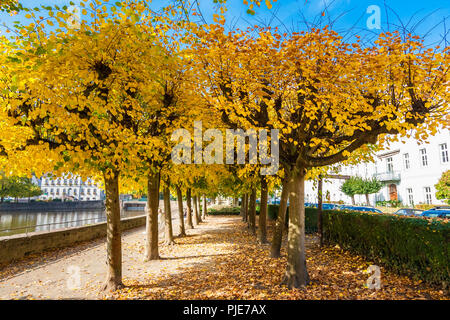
408, 170
69, 187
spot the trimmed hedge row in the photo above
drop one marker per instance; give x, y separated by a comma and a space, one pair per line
229, 211
407, 245
413, 246
310, 217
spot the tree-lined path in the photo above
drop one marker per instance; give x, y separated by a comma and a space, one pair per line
219, 259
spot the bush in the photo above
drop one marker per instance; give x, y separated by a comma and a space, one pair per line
414, 246
390, 203
407, 245
272, 211
227, 211
310, 217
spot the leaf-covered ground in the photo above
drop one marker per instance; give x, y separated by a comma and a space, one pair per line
240, 268
219, 259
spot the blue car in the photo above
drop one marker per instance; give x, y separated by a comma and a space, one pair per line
364, 209
325, 206
438, 212
409, 212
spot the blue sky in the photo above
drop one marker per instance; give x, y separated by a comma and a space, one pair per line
289, 15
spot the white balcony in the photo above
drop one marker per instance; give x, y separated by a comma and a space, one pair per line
388, 176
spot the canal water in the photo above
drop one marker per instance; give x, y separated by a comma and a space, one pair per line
25, 222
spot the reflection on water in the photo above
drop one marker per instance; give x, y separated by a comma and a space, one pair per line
23, 222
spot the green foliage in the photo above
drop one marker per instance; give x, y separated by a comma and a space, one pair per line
349, 187
414, 246
11, 6
368, 186
272, 211
310, 217
227, 211
390, 203
443, 187
358, 185
18, 187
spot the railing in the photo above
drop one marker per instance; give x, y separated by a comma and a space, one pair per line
388, 176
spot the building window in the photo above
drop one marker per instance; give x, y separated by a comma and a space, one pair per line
406, 161
390, 165
444, 152
409, 191
428, 199
423, 153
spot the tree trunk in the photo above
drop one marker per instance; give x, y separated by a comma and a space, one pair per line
319, 210
168, 232
235, 202
113, 234
152, 236
180, 212
199, 209
367, 199
196, 220
205, 209
296, 272
252, 212
189, 209
353, 199
262, 223
243, 208
246, 207
280, 222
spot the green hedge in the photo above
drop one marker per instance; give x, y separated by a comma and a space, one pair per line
310, 217
413, 246
225, 211
228, 211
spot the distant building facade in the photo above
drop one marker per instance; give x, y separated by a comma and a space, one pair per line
407, 169
69, 187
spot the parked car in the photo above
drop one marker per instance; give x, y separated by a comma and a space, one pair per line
437, 212
408, 212
358, 208
325, 206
